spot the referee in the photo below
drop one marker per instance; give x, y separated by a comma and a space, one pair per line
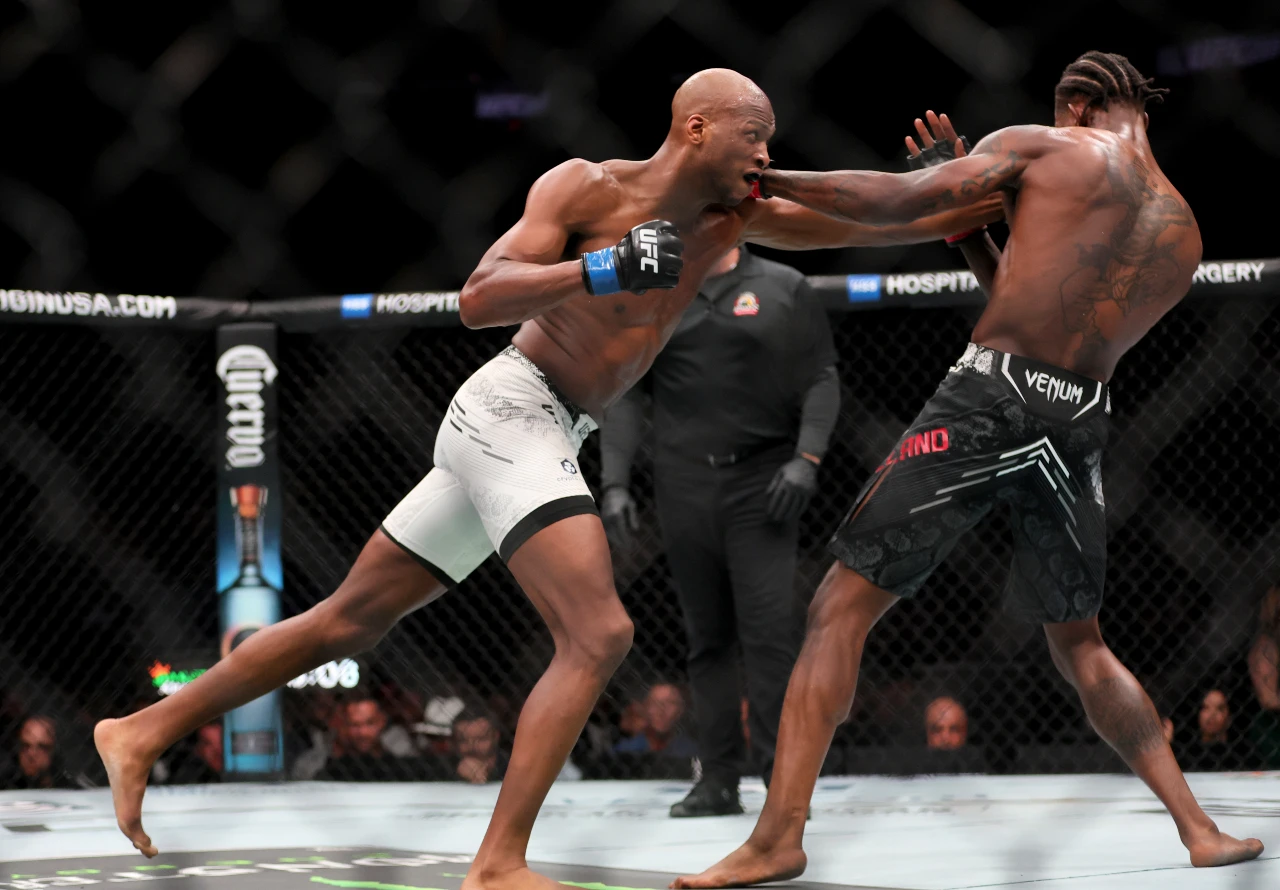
745, 396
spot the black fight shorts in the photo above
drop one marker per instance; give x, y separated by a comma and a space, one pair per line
1001, 429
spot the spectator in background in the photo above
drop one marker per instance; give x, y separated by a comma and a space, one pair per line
321, 734
1166, 728
632, 722
1264, 656
946, 724
1215, 718
402, 708
663, 708
198, 761
435, 732
1215, 747
480, 757
364, 759
36, 764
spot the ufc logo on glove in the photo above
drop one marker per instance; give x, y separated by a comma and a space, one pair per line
647, 256
648, 239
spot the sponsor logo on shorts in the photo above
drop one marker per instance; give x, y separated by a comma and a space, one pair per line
928, 442
568, 467
357, 305
1054, 390
32, 302
862, 288
746, 304
415, 304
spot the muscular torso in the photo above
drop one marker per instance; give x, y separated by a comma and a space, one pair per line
595, 348
1100, 246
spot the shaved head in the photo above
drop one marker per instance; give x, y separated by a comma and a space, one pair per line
714, 91
721, 123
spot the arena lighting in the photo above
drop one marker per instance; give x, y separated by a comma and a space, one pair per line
510, 105
1227, 51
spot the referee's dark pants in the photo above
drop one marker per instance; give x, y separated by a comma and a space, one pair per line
734, 571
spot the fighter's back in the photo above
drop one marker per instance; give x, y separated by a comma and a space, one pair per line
1101, 245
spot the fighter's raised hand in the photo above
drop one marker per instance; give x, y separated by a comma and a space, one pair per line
938, 142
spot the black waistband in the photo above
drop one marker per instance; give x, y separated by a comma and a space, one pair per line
575, 413
1044, 389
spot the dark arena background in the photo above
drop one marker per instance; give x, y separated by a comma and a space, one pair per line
334, 173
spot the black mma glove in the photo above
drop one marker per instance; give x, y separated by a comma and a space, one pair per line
647, 256
618, 513
938, 153
791, 488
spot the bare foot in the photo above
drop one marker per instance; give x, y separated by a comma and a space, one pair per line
514, 879
1215, 848
127, 770
748, 865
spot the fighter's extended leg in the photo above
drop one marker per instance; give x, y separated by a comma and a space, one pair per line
384, 584
565, 571
818, 700
1123, 715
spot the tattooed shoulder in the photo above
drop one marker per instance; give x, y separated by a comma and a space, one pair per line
1138, 264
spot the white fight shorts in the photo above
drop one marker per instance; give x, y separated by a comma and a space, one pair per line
505, 468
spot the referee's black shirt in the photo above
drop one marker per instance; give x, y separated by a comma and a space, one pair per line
734, 375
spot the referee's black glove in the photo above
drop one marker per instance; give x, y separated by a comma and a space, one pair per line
791, 488
618, 513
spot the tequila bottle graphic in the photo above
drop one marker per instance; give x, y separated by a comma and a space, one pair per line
252, 733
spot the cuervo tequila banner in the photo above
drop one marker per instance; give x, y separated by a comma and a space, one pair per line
250, 576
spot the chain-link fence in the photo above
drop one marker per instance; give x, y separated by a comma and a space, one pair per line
282, 148
108, 488
275, 148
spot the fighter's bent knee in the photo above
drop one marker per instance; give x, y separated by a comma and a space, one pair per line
604, 643
846, 598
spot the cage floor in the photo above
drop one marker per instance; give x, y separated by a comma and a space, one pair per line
1053, 832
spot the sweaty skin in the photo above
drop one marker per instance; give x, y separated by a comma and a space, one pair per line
1101, 245
594, 348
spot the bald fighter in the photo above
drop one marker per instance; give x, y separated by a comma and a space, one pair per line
1101, 245
597, 272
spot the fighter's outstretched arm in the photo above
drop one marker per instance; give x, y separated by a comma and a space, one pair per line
525, 272
886, 199
786, 225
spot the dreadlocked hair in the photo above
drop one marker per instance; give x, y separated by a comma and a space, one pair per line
1107, 77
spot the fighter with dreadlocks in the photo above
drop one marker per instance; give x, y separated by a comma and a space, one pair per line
1100, 246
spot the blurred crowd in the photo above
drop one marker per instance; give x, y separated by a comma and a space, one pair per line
387, 733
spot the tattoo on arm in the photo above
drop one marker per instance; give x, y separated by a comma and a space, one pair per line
856, 195
1123, 715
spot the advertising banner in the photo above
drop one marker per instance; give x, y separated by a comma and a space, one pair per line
250, 575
